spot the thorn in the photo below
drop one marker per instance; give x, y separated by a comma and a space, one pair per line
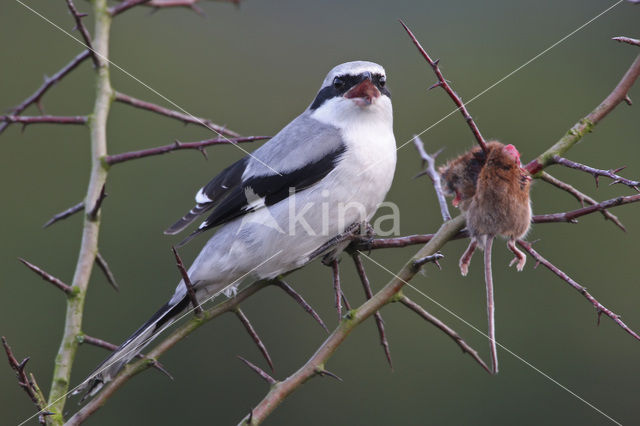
628, 100
82, 15
104, 267
291, 292
434, 85
597, 180
422, 173
93, 214
254, 335
23, 363
198, 10
161, 368
197, 309
418, 263
250, 418
618, 169
322, 372
203, 151
599, 311
537, 264
258, 370
436, 62
40, 106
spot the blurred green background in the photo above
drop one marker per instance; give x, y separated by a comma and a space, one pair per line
256, 67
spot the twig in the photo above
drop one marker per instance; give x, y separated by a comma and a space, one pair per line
254, 335
28, 383
47, 276
85, 338
571, 216
177, 145
259, 370
291, 292
185, 118
104, 267
124, 6
189, 4
611, 174
77, 16
445, 328
335, 269
628, 40
40, 119
586, 124
430, 171
65, 214
442, 82
581, 197
48, 82
378, 316
197, 309
433, 258
600, 309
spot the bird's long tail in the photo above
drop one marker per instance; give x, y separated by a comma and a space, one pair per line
128, 350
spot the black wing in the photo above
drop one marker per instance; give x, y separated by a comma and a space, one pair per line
265, 190
212, 193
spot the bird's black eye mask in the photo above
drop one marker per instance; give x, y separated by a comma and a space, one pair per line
342, 83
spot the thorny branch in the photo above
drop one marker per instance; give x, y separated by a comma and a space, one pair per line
442, 82
573, 215
185, 118
582, 198
197, 309
36, 97
28, 383
600, 309
77, 16
627, 40
430, 161
586, 124
611, 174
177, 145
40, 119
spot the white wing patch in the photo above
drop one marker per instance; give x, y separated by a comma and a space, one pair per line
201, 197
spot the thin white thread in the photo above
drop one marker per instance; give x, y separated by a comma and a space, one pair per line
150, 88
172, 324
476, 329
503, 79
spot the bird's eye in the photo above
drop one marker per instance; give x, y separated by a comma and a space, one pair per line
382, 81
338, 82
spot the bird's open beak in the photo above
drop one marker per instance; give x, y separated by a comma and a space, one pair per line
363, 93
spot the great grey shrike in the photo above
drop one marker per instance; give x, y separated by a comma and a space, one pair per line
277, 206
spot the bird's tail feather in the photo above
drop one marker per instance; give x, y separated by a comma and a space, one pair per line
128, 350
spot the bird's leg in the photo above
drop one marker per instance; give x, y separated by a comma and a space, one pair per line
488, 278
466, 257
520, 256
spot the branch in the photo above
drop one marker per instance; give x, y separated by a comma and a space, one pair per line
65, 214
611, 174
40, 119
77, 16
177, 145
600, 309
89, 243
445, 328
283, 389
48, 82
430, 171
442, 82
586, 124
124, 6
571, 216
197, 308
48, 277
378, 316
185, 118
28, 383
628, 40
582, 198
85, 338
